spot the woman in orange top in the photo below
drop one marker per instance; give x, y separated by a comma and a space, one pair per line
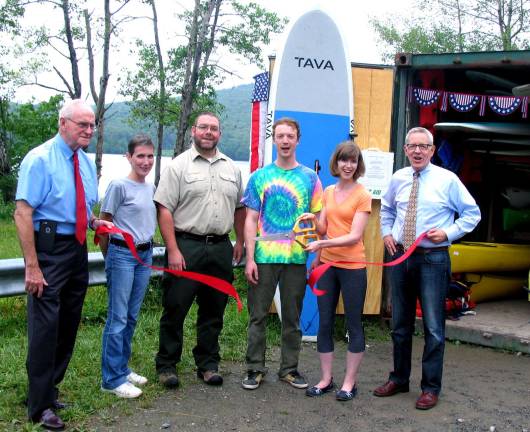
347, 206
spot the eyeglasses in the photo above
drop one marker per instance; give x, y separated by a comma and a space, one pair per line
84, 125
204, 128
422, 147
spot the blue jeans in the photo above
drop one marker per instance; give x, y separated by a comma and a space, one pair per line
127, 281
424, 276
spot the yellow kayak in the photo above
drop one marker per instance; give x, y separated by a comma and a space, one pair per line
487, 286
488, 257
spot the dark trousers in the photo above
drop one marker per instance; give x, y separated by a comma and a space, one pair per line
352, 284
426, 277
178, 294
53, 320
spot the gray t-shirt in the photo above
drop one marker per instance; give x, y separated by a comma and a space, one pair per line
132, 208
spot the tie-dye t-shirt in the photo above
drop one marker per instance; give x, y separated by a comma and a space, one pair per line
280, 196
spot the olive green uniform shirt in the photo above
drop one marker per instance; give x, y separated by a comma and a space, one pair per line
201, 194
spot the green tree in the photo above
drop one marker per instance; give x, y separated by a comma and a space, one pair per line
27, 126
209, 30
215, 29
10, 13
148, 85
456, 26
79, 37
418, 37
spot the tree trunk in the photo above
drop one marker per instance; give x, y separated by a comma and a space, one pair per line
460, 35
74, 93
161, 96
99, 98
5, 164
99, 146
193, 61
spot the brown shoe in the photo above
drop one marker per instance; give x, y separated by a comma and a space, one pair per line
426, 401
169, 380
390, 388
210, 377
49, 420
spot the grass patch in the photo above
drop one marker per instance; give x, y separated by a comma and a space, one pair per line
374, 329
9, 246
82, 382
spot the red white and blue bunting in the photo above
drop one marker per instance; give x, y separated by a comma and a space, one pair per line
465, 102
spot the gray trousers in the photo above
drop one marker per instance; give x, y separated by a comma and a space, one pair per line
292, 282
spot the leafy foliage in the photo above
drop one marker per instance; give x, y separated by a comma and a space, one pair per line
456, 26
26, 126
193, 66
417, 38
10, 12
123, 122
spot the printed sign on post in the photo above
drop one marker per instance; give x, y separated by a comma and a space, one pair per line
379, 166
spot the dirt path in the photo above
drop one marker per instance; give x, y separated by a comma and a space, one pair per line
483, 390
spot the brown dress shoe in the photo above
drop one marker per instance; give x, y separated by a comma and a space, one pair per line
390, 388
49, 420
168, 379
210, 377
426, 401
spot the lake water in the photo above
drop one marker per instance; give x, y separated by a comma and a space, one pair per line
116, 166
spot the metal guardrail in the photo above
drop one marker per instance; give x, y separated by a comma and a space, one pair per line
12, 272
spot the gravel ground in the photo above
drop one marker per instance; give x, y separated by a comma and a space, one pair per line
484, 390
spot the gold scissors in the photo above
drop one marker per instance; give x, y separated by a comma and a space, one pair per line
303, 233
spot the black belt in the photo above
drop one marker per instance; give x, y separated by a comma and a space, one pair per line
139, 247
424, 250
60, 236
208, 238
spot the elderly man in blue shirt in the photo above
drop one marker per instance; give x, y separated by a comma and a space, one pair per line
422, 198
56, 191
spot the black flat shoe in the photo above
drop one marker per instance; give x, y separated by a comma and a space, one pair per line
317, 391
343, 395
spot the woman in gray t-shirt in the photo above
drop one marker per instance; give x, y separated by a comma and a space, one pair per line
129, 204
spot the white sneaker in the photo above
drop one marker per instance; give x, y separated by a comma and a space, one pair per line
126, 390
136, 379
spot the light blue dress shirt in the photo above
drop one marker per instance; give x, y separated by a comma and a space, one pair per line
46, 182
441, 196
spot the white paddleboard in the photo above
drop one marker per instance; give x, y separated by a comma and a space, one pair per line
312, 83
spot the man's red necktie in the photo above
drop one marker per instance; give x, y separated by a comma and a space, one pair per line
80, 204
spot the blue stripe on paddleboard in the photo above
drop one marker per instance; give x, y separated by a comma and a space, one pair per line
320, 135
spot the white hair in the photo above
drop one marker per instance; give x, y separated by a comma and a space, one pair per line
422, 130
71, 106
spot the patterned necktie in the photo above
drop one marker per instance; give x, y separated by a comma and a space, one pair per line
80, 204
409, 227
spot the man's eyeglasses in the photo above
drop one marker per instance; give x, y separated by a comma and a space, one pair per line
84, 125
422, 147
204, 128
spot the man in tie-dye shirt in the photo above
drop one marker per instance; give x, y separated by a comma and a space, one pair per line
275, 197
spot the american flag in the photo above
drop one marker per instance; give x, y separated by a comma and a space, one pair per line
258, 120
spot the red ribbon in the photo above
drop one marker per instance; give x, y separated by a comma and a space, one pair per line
214, 282
317, 273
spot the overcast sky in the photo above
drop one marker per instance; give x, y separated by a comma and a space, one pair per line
351, 15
